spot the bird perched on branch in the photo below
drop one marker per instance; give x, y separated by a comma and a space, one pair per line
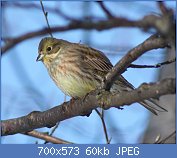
78, 69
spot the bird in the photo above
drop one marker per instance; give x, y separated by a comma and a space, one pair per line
78, 69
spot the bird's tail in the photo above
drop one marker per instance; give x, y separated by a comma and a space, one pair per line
152, 105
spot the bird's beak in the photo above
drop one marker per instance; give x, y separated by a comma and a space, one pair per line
40, 57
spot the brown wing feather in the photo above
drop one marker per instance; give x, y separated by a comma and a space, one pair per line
99, 62
96, 59
125, 82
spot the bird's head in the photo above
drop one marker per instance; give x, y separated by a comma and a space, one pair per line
49, 48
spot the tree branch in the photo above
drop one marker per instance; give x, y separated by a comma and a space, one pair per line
167, 25
153, 66
47, 137
162, 141
45, 15
108, 13
153, 42
55, 10
78, 107
101, 115
52, 131
150, 21
162, 7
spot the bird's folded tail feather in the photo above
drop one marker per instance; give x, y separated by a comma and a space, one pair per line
153, 106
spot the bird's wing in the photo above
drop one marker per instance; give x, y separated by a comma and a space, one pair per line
125, 82
96, 59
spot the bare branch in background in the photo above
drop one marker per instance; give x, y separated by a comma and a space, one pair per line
153, 66
47, 137
108, 13
52, 10
167, 26
101, 115
163, 141
161, 23
45, 14
162, 7
53, 130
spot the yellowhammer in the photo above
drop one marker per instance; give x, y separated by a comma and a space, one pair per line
78, 69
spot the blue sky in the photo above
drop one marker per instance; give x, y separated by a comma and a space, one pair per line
26, 85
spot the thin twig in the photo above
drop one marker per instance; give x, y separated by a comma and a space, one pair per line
108, 13
158, 141
131, 56
101, 115
52, 131
162, 7
54, 128
152, 66
45, 14
47, 137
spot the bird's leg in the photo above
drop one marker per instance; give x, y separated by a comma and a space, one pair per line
72, 100
86, 113
103, 99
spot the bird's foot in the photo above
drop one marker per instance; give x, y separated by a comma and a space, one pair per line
103, 99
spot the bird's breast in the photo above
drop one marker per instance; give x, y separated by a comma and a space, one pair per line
69, 79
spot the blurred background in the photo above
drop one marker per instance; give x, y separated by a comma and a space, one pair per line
26, 85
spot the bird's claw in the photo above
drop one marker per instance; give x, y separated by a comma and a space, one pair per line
103, 100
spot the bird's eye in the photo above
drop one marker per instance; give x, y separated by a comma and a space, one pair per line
49, 49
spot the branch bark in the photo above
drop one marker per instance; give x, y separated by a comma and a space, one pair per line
77, 107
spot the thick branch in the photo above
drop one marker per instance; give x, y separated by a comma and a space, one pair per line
78, 107
45, 15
